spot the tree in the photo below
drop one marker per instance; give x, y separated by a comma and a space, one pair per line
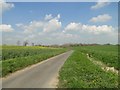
25, 43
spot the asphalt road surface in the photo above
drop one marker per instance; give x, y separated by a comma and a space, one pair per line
41, 75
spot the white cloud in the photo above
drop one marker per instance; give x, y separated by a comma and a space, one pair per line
101, 18
5, 6
33, 26
98, 29
29, 37
63, 35
93, 29
73, 26
58, 16
100, 5
44, 26
50, 31
6, 28
19, 24
48, 17
52, 25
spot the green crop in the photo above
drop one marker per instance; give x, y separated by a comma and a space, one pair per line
18, 57
79, 72
11, 52
107, 54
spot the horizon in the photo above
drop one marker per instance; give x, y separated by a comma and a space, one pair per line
30, 44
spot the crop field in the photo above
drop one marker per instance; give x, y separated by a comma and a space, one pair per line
79, 72
17, 57
108, 54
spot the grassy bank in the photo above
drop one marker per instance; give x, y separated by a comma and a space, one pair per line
79, 72
108, 54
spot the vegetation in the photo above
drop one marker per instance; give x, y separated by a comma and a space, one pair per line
108, 54
17, 57
79, 72
11, 52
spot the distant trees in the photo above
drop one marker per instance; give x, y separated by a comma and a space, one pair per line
25, 43
108, 44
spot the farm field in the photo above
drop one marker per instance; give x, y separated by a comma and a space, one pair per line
18, 57
79, 72
108, 54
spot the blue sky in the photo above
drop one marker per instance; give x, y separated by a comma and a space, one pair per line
78, 12
81, 22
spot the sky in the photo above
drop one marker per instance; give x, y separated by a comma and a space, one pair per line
59, 22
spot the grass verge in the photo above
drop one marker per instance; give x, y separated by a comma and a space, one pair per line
106, 54
79, 72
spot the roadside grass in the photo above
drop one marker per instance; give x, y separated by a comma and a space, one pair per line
79, 72
13, 64
108, 54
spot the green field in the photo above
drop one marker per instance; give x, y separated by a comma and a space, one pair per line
108, 54
18, 57
79, 72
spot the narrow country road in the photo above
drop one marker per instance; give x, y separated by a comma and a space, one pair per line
42, 75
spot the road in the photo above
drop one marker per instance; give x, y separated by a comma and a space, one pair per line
41, 75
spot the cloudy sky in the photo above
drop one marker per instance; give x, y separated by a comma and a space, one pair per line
59, 23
